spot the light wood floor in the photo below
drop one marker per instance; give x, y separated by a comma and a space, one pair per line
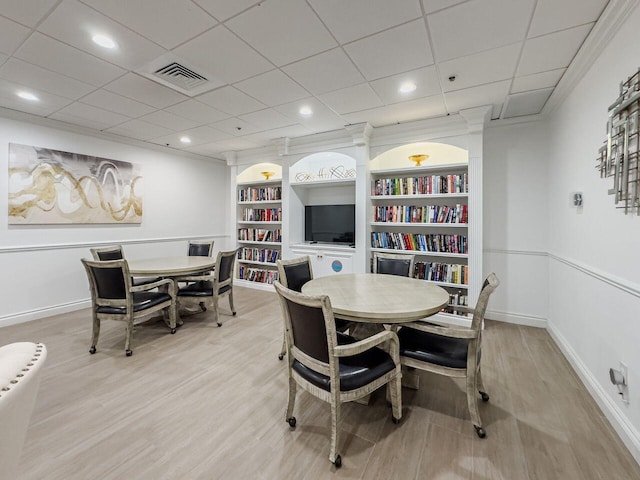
209, 403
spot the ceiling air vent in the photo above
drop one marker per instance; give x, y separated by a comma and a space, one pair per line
173, 72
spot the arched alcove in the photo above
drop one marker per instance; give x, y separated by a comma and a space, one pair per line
440, 154
260, 172
323, 167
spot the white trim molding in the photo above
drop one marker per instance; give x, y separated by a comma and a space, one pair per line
23, 317
517, 318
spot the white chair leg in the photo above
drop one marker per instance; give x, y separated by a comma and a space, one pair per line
334, 457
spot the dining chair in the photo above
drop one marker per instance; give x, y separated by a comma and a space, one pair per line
115, 252
208, 289
114, 297
200, 248
454, 351
21, 365
394, 264
332, 366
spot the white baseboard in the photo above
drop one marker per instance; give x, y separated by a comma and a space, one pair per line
625, 430
255, 285
24, 317
516, 318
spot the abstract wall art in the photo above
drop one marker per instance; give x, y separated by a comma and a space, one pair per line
53, 187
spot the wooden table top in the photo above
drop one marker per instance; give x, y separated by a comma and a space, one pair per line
366, 297
170, 266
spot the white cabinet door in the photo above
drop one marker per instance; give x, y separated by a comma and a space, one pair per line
327, 262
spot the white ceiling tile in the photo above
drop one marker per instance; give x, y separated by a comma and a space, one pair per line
266, 119
237, 143
537, 81
3, 58
266, 137
480, 68
553, 15
54, 55
325, 72
352, 99
207, 149
27, 13
478, 25
224, 9
397, 50
236, 127
90, 114
552, 51
199, 136
322, 118
117, 103
211, 51
431, 6
197, 111
493, 93
425, 79
12, 35
143, 90
400, 112
169, 120
231, 100
283, 30
139, 129
33, 76
355, 19
272, 88
46, 105
528, 103
167, 23
75, 24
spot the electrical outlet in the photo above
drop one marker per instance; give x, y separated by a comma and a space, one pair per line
624, 390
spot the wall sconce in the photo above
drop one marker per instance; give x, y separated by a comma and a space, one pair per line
418, 159
267, 175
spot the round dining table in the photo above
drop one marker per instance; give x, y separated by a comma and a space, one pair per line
377, 298
171, 266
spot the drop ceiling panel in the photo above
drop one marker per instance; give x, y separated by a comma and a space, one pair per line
27, 13
283, 30
116, 103
353, 19
478, 25
199, 136
268, 136
139, 129
480, 68
236, 127
231, 100
90, 114
272, 88
491, 94
197, 111
169, 120
224, 9
325, 72
143, 90
209, 149
323, 117
400, 112
211, 52
45, 80
552, 51
431, 6
75, 24
237, 143
537, 81
425, 79
528, 103
266, 119
400, 49
47, 104
553, 15
352, 99
58, 57
12, 35
167, 23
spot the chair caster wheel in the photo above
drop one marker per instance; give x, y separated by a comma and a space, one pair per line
280, 357
292, 422
92, 350
338, 461
395, 420
485, 396
173, 330
128, 353
219, 324
203, 307
480, 431
233, 313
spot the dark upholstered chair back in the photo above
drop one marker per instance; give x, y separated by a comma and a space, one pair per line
309, 330
225, 262
107, 253
110, 281
394, 266
295, 273
200, 249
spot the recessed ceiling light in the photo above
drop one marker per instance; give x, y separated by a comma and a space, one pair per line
407, 87
28, 96
306, 111
185, 139
103, 41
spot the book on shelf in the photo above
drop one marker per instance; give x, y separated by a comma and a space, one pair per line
442, 272
260, 194
420, 213
421, 185
435, 242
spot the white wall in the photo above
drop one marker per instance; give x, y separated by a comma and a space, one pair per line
515, 221
41, 274
594, 274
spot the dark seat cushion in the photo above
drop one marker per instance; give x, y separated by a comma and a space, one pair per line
355, 371
141, 301
201, 289
137, 281
432, 348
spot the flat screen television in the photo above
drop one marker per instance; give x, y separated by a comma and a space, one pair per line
330, 223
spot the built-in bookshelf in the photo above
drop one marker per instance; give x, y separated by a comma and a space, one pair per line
259, 230
423, 211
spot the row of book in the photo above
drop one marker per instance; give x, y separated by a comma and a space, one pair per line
262, 214
424, 185
259, 194
421, 214
267, 255
259, 235
457, 298
257, 275
442, 272
436, 242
